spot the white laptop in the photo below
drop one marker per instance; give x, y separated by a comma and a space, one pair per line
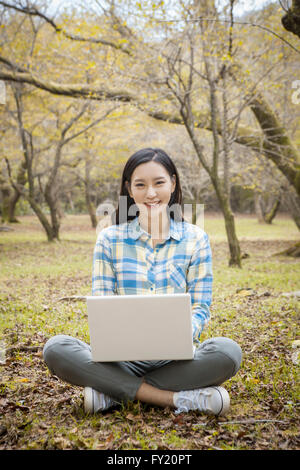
140, 327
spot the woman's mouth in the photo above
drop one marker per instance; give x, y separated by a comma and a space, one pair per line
152, 205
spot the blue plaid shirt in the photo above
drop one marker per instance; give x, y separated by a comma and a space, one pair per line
125, 263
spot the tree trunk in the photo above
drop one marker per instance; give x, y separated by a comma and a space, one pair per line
91, 209
87, 184
55, 222
50, 232
70, 200
292, 200
12, 208
293, 251
21, 181
10, 198
291, 20
266, 210
234, 247
233, 243
275, 143
258, 208
221, 187
6, 191
270, 214
10, 195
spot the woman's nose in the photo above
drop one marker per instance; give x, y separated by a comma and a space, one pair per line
151, 191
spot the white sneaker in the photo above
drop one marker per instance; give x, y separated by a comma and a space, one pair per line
96, 401
210, 400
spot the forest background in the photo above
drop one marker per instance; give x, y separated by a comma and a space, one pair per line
87, 86
82, 87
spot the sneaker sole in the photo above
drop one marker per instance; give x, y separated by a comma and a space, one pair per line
225, 399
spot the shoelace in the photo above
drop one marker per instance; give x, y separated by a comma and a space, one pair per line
108, 401
101, 401
195, 400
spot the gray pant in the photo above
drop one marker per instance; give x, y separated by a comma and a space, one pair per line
215, 361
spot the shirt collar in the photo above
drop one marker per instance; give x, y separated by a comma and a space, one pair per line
135, 231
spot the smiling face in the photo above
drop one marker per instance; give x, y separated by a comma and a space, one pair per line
151, 188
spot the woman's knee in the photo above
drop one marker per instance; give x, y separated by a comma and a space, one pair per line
232, 350
54, 347
226, 346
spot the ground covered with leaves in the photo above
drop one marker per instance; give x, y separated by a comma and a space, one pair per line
250, 305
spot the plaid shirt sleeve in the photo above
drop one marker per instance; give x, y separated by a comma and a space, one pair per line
199, 286
103, 278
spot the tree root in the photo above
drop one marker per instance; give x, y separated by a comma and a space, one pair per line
293, 251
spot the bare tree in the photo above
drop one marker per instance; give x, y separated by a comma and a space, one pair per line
273, 142
50, 188
11, 195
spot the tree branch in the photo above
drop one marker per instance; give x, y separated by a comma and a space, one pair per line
221, 20
33, 11
90, 125
75, 91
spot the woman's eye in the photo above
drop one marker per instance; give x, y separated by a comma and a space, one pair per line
139, 185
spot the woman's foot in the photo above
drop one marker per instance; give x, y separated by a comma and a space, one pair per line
210, 400
96, 401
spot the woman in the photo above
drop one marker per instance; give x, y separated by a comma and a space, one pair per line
151, 249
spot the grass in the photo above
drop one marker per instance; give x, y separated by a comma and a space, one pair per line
248, 228
41, 412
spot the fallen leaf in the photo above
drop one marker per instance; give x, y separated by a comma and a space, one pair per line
245, 292
110, 438
131, 417
178, 419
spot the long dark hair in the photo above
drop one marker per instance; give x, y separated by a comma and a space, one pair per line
144, 156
